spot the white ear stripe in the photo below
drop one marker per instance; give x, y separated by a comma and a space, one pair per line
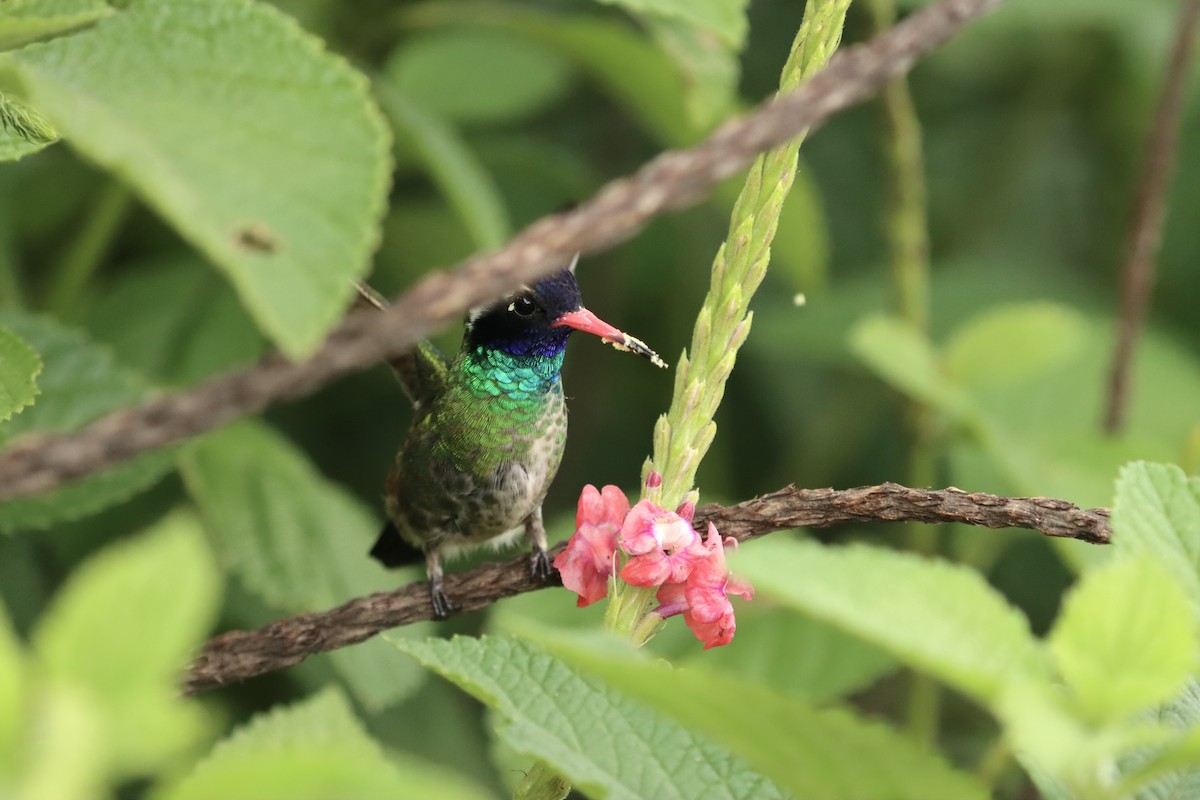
574, 261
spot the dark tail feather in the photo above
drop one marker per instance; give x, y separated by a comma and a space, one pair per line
392, 551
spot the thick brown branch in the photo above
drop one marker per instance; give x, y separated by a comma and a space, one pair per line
672, 180
1150, 213
237, 655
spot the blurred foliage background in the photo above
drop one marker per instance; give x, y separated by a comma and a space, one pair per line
1032, 124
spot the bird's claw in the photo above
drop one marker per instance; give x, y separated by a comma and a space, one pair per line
539, 565
441, 603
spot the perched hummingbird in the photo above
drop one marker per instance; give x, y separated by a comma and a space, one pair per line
489, 429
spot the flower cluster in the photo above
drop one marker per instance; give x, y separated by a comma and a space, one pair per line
661, 549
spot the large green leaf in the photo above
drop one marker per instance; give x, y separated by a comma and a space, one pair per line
796, 654
467, 75
827, 753
313, 750
296, 540
905, 358
259, 147
79, 383
174, 322
1009, 344
939, 617
602, 742
120, 630
1125, 639
19, 368
1157, 511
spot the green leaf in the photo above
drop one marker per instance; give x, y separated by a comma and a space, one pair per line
710, 70
1157, 511
26, 21
477, 75
260, 148
1045, 433
603, 743
312, 750
296, 540
1125, 639
79, 383
703, 39
1180, 780
19, 368
795, 654
827, 753
120, 630
66, 758
939, 617
1169, 773
1011, 344
12, 695
174, 322
452, 166
724, 18
625, 65
904, 358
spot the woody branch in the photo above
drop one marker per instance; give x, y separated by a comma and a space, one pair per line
238, 655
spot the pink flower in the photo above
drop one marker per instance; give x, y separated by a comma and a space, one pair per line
703, 598
662, 545
587, 563
663, 550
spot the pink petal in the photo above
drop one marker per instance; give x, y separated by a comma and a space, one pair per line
584, 568
637, 534
587, 562
713, 634
648, 569
597, 507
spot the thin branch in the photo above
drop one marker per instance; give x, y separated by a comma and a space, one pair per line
238, 655
1150, 213
672, 180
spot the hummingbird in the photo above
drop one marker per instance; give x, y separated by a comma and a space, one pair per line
489, 429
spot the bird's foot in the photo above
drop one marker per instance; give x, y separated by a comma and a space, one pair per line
539, 564
441, 603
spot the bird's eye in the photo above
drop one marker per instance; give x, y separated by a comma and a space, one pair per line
523, 305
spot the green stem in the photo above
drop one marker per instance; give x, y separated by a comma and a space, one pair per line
75, 270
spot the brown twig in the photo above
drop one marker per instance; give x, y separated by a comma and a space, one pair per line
238, 655
672, 180
1149, 213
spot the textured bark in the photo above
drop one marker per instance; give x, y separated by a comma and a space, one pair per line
237, 655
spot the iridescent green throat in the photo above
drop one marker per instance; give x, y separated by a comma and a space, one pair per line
520, 379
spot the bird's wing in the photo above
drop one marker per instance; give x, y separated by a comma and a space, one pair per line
421, 370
